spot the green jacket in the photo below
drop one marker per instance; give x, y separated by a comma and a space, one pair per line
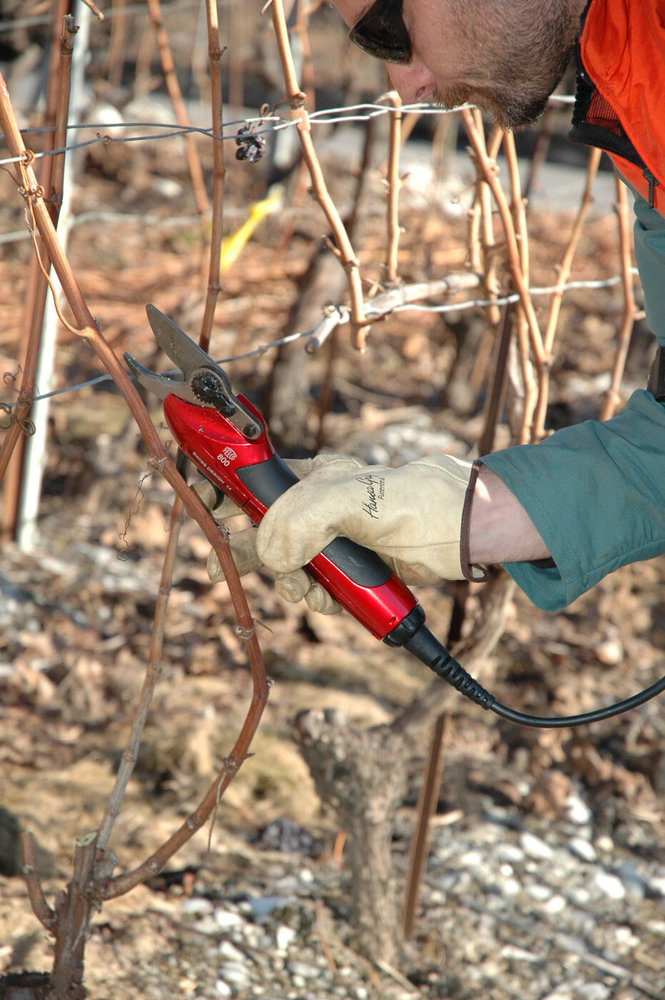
596, 491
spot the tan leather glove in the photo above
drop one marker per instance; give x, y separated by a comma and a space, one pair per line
412, 516
293, 586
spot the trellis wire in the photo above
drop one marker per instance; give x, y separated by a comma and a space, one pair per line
307, 334
259, 124
266, 125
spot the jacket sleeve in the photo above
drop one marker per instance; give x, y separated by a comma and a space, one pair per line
596, 491
650, 258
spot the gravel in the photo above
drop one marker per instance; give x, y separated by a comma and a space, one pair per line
510, 907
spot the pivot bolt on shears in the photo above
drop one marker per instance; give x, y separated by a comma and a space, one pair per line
225, 436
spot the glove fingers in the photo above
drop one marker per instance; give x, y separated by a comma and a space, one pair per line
295, 586
243, 550
225, 508
207, 493
319, 600
301, 522
243, 543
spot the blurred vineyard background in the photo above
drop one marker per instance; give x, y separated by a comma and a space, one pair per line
268, 903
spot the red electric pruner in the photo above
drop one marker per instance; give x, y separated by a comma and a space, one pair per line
226, 438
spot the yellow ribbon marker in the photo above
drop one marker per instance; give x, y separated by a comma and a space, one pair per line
233, 244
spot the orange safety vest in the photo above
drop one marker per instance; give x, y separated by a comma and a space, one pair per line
621, 86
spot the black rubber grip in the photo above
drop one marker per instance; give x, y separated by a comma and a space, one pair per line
361, 565
268, 480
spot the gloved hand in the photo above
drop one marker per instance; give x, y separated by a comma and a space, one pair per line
294, 586
412, 516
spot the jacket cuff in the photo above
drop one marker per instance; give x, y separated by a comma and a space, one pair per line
472, 573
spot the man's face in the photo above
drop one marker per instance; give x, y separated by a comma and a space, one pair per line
507, 56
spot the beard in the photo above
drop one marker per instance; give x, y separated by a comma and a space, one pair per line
510, 111
525, 53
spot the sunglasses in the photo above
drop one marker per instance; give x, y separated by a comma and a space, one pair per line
381, 32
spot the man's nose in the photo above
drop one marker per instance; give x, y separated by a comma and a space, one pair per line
412, 81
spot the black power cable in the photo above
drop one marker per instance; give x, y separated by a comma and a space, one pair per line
427, 648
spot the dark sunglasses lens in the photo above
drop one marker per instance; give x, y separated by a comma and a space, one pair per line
381, 33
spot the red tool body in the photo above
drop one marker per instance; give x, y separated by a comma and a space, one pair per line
250, 472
